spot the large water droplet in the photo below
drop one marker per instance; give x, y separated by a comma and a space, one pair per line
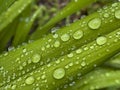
78, 34
117, 14
59, 73
101, 40
36, 58
65, 37
30, 80
94, 23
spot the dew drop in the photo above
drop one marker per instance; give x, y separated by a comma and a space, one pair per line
106, 15
24, 50
70, 64
30, 80
57, 44
36, 58
43, 48
78, 34
58, 61
55, 36
13, 87
83, 64
43, 77
117, 14
94, 23
37, 88
70, 55
101, 40
59, 73
78, 50
47, 46
65, 37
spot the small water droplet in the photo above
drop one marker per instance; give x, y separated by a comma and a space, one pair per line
59, 73
78, 50
24, 50
106, 15
101, 40
65, 37
57, 44
70, 55
117, 14
70, 64
30, 80
43, 48
58, 61
94, 23
83, 64
37, 88
13, 87
36, 58
47, 46
55, 36
78, 34
43, 77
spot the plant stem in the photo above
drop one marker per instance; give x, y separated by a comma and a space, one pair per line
55, 45
69, 67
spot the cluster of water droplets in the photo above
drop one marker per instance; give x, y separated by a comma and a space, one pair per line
56, 42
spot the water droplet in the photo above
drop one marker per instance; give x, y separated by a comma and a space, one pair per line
30, 80
83, 64
117, 81
117, 14
57, 61
76, 0
47, 46
70, 64
24, 50
55, 36
78, 50
36, 58
106, 15
37, 88
94, 23
43, 48
13, 87
78, 34
20, 67
65, 37
59, 73
24, 64
101, 40
57, 44
43, 77
70, 55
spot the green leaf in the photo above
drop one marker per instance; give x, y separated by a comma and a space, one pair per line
67, 68
96, 80
13, 11
7, 34
114, 61
55, 45
24, 27
5, 4
71, 8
